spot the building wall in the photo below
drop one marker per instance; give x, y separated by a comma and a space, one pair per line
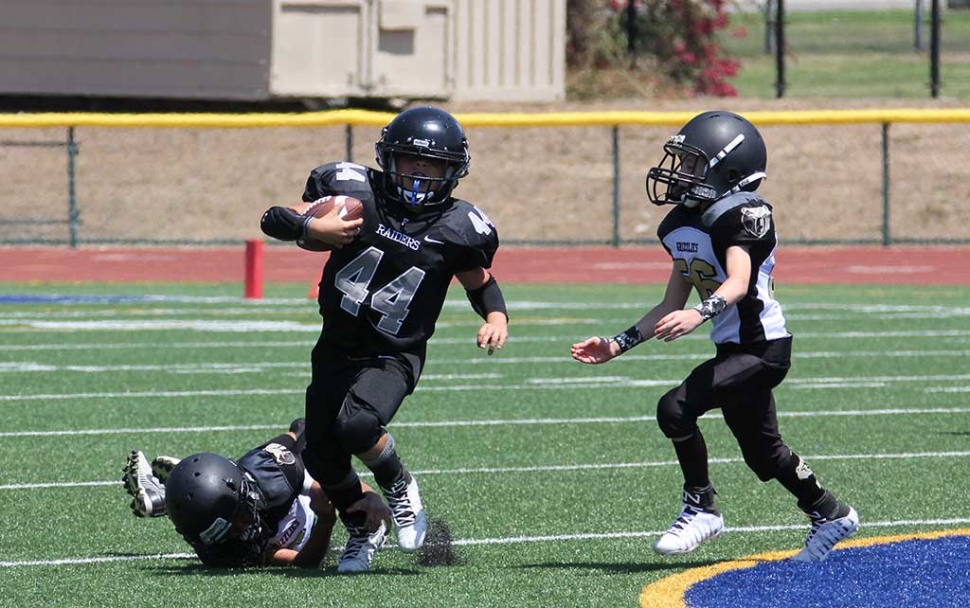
260, 49
451, 49
510, 50
145, 48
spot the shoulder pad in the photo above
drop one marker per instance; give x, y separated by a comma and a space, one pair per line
469, 228
334, 178
740, 218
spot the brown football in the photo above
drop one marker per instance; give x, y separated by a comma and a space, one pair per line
350, 209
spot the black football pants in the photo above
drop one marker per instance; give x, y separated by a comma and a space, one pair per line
348, 403
738, 380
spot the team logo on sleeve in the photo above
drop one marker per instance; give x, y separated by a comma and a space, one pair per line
281, 454
756, 220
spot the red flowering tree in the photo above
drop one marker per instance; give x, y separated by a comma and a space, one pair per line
678, 38
681, 34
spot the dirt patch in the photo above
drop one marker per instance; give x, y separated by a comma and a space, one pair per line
537, 184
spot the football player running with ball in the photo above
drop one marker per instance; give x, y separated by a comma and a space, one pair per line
721, 238
382, 290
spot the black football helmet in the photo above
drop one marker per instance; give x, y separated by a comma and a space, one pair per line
211, 501
714, 154
427, 132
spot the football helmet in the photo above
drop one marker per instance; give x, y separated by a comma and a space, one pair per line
714, 154
426, 132
211, 500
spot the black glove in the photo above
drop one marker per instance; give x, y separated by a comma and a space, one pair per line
284, 224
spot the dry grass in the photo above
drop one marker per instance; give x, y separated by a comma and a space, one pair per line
535, 183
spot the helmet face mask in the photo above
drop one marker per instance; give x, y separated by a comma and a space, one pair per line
713, 155
426, 134
682, 171
211, 501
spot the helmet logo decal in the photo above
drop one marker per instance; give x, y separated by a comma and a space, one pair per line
727, 150
756, 220
676, 139
422, 143
215, 533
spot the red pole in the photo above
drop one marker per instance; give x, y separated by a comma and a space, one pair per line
254, 270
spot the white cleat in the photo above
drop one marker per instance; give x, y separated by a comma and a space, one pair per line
410, 522
359, 551
825, 534
692, 527
148, 494
162, 467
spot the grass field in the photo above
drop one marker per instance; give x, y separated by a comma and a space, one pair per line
553, 476
852, 54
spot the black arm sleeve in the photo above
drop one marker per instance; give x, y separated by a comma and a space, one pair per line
487, 298
284, 224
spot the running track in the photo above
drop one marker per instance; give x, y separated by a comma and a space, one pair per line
795, 265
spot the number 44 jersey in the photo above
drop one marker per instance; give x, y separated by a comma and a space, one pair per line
383, 292
698, 241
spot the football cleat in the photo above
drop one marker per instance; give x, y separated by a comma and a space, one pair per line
148, 494
698, 521
359, 551
407, 512
162, 467
825, 533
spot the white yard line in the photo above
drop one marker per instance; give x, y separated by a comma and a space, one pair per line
474, 423
592, 382
609, 466
508, 540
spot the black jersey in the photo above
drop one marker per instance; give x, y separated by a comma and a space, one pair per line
698, 243
283, 509
383, 293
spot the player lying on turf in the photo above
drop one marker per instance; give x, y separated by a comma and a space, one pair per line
721, 239
260, 510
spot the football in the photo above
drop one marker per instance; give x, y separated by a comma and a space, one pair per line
350, 209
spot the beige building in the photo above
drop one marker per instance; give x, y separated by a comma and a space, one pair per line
307, 49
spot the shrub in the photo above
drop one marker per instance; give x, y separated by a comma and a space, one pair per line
676, 38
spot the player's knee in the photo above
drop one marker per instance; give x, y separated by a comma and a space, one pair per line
671, 418
358, 430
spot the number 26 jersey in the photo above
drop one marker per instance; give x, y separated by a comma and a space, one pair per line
698, 243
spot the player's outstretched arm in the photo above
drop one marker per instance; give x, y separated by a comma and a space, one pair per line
680, 322
600, 349
312, 553
487, 300
373, 508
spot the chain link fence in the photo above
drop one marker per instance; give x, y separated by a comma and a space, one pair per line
575, 181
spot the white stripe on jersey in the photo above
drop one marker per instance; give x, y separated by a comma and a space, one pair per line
694, 247
294, 529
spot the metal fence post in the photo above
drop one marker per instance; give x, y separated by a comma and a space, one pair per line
349, 140
72, 212
886, 236
616, 185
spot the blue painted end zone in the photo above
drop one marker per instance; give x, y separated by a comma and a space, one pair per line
926, 573
34, 299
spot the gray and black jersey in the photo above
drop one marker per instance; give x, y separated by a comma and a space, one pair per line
698, 243
286, 519
383, 292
